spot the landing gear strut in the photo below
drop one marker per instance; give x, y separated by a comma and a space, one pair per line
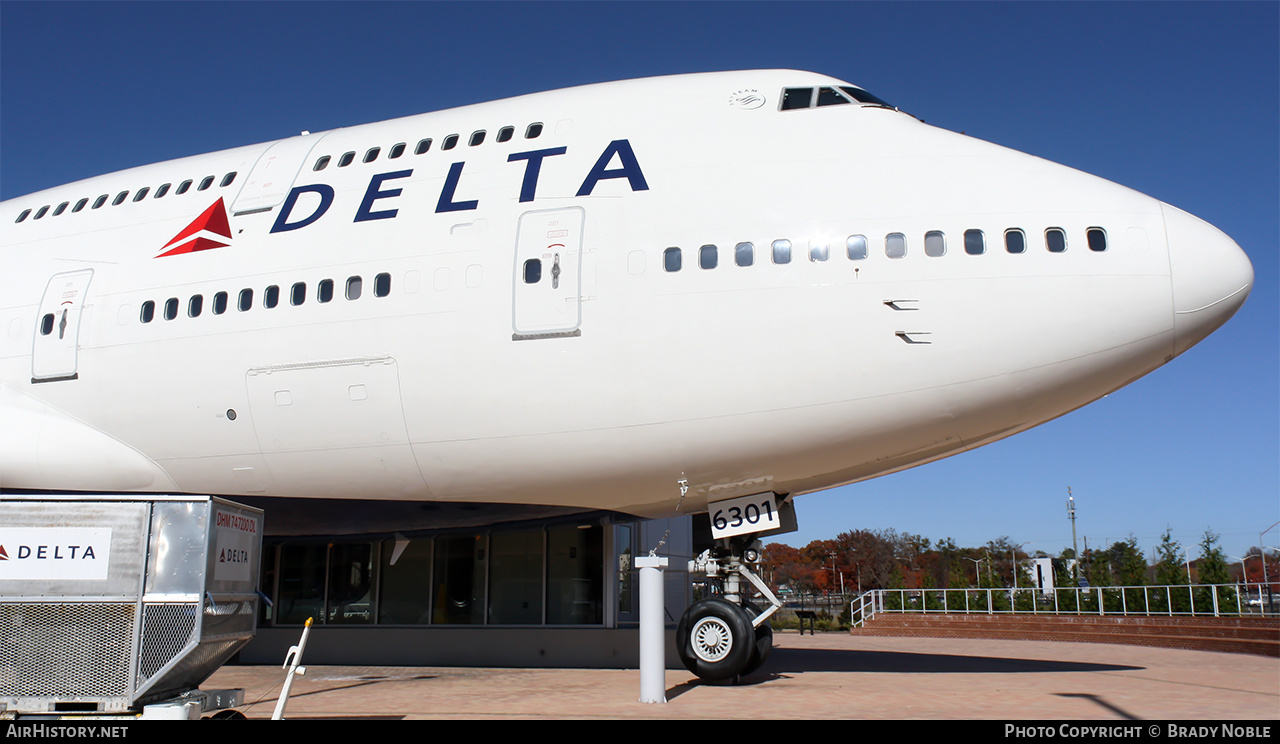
725, 636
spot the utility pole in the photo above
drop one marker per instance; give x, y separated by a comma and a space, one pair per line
1071, 514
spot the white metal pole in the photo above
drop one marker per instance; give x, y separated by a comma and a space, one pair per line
292, 661
653, 665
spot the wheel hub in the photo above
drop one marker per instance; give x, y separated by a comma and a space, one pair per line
711, 639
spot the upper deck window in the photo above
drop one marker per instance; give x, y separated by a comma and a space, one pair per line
533, 130
205, 183
396, 151
423, 146
477, 137
164, 189
227, 179
1055, 239
1097, 239
182, 187
61, 208
506, 133
450, 142
80, 205
142, 193
23, 216
372, 154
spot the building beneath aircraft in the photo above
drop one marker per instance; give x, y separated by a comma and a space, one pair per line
448, 584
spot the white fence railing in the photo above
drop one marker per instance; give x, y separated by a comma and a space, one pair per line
1201, 600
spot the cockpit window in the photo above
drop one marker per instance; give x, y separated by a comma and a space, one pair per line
861, 96
796, 98
830, 97
802, 98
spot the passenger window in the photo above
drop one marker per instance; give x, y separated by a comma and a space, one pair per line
298, 294
220, 303
206, 183
744, 254
935, 244
450, 142
164, 189
671, 259
46, 324
795, 98
80, 204
477, 137
353, 288
23, 216
324, 292
423, 146
346, 159
975, 244
856, 246
246, 300
171, 308
321, 164
895, 245
114, 202
148, 311
61, 208
782, 251
819, 250
382, 285
371, 155
1055, 240
271, 297
1015, 241
396, 150
506, 133
708, 257
99, 201
1097, 239
195, 305
532, 271
42, 212
227, 179
142, 193
182, 187
533, 130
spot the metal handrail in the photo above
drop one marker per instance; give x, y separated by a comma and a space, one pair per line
1194, 600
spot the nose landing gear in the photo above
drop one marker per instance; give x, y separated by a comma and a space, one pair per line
726, 636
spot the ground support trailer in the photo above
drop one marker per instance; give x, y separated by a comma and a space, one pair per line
123, 605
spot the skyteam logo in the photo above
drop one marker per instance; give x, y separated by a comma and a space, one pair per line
207, 231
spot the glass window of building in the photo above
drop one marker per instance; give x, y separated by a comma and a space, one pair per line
458, 586
515, 577
349, 599
575, 579
405, 595
301, 591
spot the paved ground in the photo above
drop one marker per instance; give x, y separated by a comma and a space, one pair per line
826, 676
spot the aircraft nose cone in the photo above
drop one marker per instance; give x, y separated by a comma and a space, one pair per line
1211, 276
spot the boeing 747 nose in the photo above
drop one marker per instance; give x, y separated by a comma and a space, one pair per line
1211, 276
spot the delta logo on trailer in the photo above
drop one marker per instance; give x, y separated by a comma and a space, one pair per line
204, 233
54, 553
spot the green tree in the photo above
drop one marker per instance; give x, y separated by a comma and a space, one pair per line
1170, 569
1128, 563
1213, 569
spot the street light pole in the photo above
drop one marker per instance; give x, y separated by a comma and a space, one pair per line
1075, 551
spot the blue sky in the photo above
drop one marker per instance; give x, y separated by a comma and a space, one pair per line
1177, 100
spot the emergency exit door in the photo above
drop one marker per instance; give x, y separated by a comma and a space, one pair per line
547, 297
53, 355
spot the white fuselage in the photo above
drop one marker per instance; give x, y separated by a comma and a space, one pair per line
609, 379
